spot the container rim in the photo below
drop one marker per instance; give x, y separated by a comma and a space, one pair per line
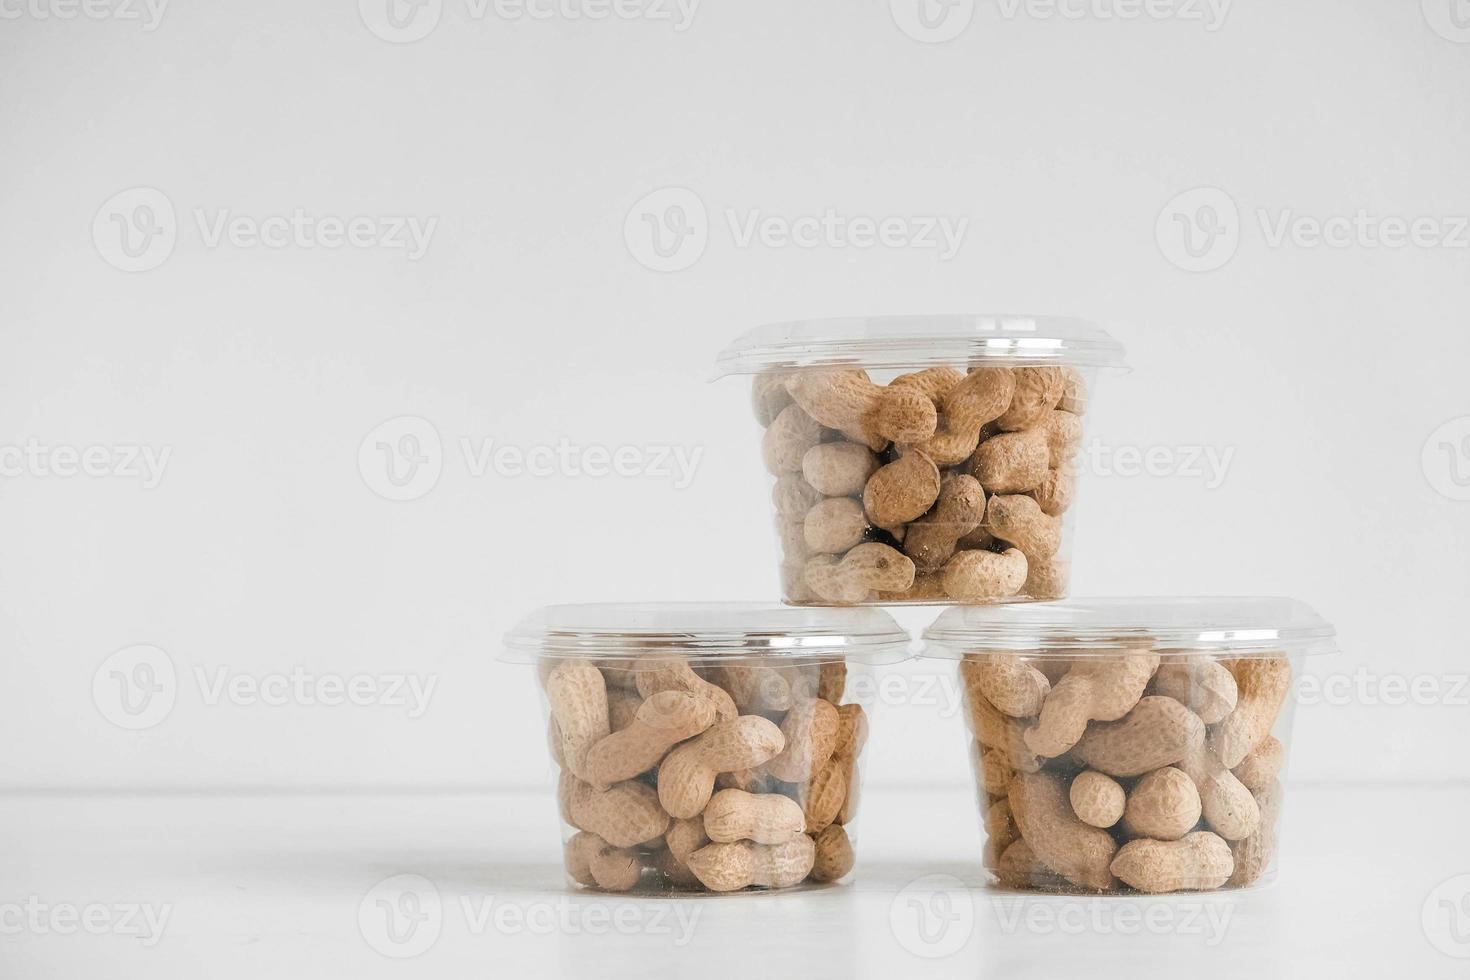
624, 631
919, 341
1178, 625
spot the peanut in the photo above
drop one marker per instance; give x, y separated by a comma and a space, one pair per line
927, 587
994, 773
1164, 805
1097, 799
684, 837
810, 729
902, 491
793, 496
833, 858
662, 721
614, 869
740, 864
935, 382
1044, 816
756, 688
624, 815
622, 708
852, 737
659, 673
686, 778
766, 818
904, 414
1019, 520
1199, 862
1014, 462
834, 525
959, 509
839, 469
785, 443
577, 695
975, 576
1259, 770
1263, 684
1206, 687
1004, 735
1013, 687
866, 569
844, 400
1046, 578
1063, 434
1055, 491
1104, 689
1000, 830
832, 681
1074, 392
1019, 867
1038, 390
981, 397
577, 856
1228, 807
768, 396
1253, 854
1157, 732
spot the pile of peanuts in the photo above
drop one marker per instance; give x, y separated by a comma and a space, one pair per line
716, 774
1129, 771
940, 486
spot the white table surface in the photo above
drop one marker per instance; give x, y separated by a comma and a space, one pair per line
289, 885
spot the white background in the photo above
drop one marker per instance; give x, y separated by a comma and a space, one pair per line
530, 320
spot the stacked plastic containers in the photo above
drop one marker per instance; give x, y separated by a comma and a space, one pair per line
1118, 744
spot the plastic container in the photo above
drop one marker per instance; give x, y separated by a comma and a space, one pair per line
1129, 745
922, 459
706, 747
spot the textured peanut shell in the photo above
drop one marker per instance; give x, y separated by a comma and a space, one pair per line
1157, 732
866, 569
1046, 578
1071, 848
577, 694
1100, 689
1013, 462
1003, 735
843, 400
1206, 687
904, 414
810, 729
1063, 434
976, 576
1019, 867
839, 469
1011, 685
1019, 520
1074, 392
789, 437
768, 395
979, 398
959, 509
624, 815
1201, 861
1163, 805
1037, 392
1056, 491
834, 526
766, 818
662, 721
729, 867
756, 688
1097, 799
833, 854
793, 496
902, 491
686, 778
1253, 855
1259, 770
1263, 683
660, 673
1228, 807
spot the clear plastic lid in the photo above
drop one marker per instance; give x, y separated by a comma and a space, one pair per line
626, 630
1240, 627
899, 342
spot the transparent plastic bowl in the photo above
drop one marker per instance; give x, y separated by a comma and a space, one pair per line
1130, 745
705, 748
927, 459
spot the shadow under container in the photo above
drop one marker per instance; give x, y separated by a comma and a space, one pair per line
1130, 745
923, 459
706, 747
